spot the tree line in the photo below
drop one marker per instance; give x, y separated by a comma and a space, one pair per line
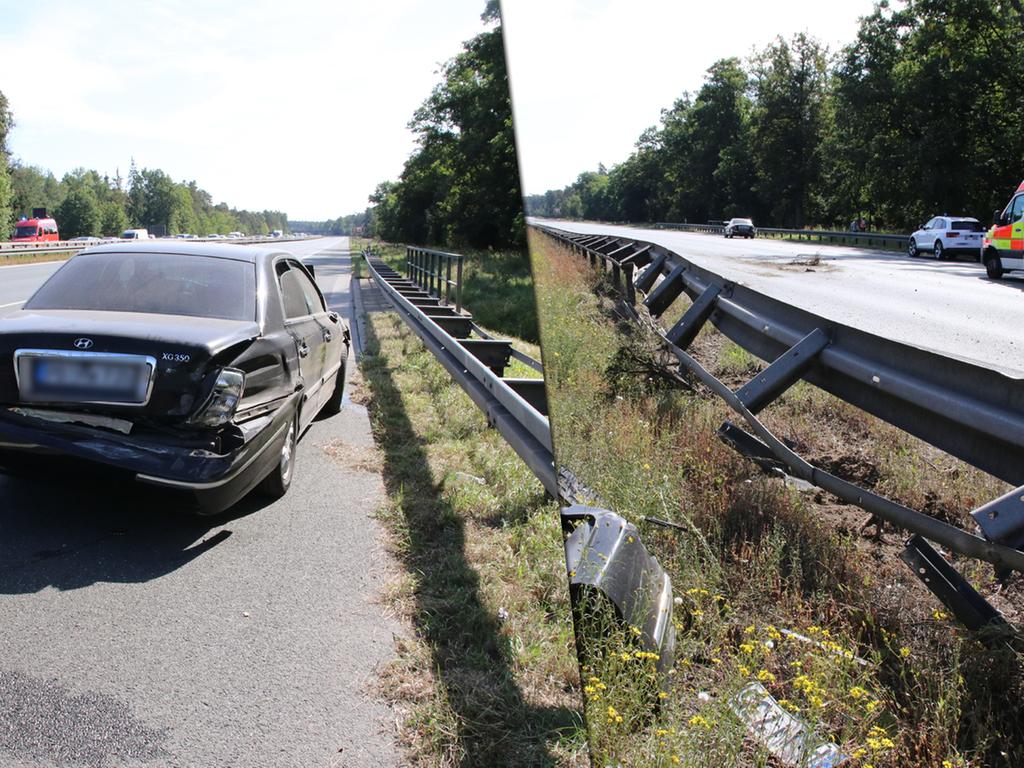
85, 202
460, 186
918, 116
353, 224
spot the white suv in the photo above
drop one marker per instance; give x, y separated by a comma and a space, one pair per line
948, 235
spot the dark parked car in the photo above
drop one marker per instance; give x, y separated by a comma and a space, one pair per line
741, 227
194, 366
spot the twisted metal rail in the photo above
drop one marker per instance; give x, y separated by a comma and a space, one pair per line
968, 411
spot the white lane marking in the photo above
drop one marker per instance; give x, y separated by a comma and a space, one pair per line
13, 304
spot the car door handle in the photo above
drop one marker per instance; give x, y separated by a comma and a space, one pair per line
303, 350
328, 335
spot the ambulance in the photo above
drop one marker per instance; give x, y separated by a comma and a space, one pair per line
1002, 250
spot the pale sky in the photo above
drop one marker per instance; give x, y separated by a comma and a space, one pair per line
588, 76
300, 106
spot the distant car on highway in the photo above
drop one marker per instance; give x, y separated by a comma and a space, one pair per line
135, 234
741, 227
946, 236
193, 366
1002, 248
86, 239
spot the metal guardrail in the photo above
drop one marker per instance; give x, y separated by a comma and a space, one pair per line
516, 407
432, 270
834, 237
604, 554
968, 411
67, 246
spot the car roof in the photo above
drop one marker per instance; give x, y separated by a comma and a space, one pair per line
249, 253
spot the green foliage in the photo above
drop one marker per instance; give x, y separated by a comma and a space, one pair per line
6, 187
461, 186
919, 115
86, 203
79, 214
113, 219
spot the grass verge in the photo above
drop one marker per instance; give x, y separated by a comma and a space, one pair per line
8, 259
878, 668
489, 676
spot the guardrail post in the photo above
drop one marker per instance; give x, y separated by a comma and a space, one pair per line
458, 284
447, 280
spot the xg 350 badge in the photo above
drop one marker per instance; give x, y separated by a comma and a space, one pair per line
176, 357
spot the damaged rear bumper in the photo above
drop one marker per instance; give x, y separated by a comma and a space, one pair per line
216, 477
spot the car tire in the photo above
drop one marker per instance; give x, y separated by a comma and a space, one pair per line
992, 266
939, 251
912, 250
333, 404
276, 484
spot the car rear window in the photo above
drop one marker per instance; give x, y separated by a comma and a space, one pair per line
157, 283
968, 226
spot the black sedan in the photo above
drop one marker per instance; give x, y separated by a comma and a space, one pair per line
193, 366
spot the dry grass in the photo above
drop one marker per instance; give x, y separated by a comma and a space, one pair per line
489, 677
767, 558
7, 259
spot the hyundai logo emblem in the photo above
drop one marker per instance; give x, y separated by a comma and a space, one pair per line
83, 343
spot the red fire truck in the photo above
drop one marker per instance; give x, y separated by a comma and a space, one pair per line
35, 230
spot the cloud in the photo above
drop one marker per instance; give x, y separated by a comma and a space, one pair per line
301, 108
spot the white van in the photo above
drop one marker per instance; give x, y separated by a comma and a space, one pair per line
135, 234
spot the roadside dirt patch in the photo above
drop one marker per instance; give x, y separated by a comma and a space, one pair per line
358, 457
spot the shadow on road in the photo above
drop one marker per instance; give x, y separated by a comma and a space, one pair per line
78, 525
495, 726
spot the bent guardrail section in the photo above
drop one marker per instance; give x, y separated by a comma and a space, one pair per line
968, 411
604, 554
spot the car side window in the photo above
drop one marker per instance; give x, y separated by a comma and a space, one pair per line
1017, 211
313, 298
292, 295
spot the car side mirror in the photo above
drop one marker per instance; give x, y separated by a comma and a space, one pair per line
997, 217
310, 268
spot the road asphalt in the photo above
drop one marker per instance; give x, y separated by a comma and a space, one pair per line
949, 307
132, 635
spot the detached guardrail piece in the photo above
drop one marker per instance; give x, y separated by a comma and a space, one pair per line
604, 553
783, 734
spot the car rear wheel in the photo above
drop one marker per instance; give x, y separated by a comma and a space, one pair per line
912, 248
940, 252
276, 484
333, 404
992, 266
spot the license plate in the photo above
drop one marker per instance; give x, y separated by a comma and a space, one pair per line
84, 378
